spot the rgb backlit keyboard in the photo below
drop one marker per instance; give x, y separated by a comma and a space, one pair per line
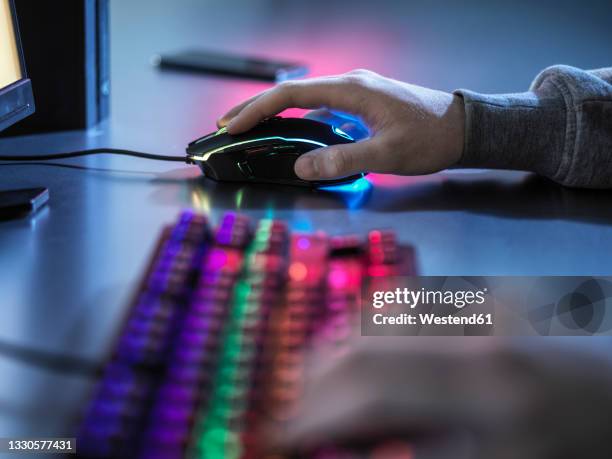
212, 346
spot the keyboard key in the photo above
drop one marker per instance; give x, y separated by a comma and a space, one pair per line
217, 336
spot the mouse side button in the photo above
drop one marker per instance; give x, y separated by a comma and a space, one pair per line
245, 168
273, 166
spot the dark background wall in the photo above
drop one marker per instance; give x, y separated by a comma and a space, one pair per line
486, 45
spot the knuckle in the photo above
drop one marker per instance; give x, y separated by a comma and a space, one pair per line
353, 79
360, 82
339, 160
360, 72
258, 111
286, 90
286, 87
362, 76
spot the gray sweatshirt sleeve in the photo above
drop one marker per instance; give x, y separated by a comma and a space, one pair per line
561, 128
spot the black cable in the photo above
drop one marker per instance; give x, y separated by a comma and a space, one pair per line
72, 166
94, 151
51, 361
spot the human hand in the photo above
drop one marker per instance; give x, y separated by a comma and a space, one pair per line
414, 130
513, 401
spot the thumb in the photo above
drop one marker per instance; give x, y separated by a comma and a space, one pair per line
336, 161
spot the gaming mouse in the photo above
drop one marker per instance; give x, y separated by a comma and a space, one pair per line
266, 153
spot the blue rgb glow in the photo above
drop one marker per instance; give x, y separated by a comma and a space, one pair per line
341, 133
353, 194
302, 225
358, 186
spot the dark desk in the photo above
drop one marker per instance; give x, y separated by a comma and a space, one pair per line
67, 273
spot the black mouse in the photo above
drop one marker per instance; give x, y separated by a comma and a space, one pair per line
266, 153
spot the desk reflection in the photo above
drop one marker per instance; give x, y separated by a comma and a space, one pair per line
207, 194
517, 195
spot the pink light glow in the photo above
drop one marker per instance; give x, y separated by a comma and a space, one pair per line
398, 181
218, 259
338, 278
303, 243
331, 51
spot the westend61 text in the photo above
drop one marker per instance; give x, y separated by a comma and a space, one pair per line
432, 319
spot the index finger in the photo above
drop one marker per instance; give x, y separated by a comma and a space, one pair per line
311, 93
231, 113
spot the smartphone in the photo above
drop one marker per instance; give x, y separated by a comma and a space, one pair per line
202, 61
19, 203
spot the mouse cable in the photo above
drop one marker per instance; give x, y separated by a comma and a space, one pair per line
51, 361
94, 151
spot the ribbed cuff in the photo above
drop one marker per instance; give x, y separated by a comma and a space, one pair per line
521, 131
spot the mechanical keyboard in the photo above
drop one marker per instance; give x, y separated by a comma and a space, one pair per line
213, 343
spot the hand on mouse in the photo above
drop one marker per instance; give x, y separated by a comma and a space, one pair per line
512, 401
415, 130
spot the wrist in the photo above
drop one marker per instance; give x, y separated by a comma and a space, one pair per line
453, 130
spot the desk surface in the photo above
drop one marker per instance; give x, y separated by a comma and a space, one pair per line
66, 273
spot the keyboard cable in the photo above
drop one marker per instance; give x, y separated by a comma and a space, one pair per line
51, 361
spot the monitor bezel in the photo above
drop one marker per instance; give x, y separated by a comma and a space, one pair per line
16, 99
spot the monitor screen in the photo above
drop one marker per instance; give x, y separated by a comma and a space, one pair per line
10, 67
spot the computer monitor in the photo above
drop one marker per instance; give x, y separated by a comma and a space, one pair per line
16, 98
